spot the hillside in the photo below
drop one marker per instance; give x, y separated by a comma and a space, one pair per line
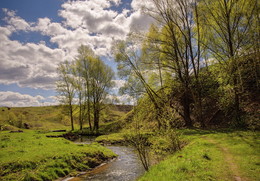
50, 117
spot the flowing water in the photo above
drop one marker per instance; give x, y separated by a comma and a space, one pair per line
126, 167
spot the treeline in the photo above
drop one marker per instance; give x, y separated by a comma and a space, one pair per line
197, 65
83, 86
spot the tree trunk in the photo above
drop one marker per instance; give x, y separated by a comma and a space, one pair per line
236, 91
88, 102
237, 102
96, 121
200, 114
71, 118
186, 110
80, 112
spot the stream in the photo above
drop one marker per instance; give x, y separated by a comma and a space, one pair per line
126, 167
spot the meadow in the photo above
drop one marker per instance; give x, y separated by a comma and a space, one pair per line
30, 155
214, 154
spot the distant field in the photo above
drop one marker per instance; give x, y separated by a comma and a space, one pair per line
50, 117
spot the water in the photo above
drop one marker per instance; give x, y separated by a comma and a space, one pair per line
126, 167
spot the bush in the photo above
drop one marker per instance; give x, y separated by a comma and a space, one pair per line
140, 143
167, 142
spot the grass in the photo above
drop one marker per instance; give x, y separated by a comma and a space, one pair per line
245, 149
111, 138
203, 158
46, 117
54, 117
32, 156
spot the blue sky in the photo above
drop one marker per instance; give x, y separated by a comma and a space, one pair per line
36, 35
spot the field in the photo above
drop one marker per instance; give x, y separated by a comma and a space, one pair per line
50, 117
30, 155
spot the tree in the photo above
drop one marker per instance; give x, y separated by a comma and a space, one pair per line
66, 89
127, 55
228, 25
101, 77
88, 80
84, 60
78, 84
179, 48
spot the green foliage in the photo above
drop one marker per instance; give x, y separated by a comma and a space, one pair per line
140, 143
165, 143
87, 79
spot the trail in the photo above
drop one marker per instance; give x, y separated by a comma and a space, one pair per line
233, 168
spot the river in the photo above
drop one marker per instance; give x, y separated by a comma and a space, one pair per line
126, 167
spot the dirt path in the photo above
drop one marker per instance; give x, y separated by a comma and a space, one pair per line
234, 170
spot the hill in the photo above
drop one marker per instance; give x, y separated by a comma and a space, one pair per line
50, 117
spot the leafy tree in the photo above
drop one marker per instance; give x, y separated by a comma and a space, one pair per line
127, 55
228, 27
65, 88
177, 44
101, 81
87, 79
84, 59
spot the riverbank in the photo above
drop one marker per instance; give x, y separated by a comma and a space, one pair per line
208, 155
36, 157
211, 155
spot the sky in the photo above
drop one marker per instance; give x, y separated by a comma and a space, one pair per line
37, 35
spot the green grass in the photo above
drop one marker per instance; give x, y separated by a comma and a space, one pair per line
245, 149
111, 138
46, 117
32, 156
203, 159
54, 117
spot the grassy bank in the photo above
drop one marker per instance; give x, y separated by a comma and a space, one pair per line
30, 155
225, 155
115, 138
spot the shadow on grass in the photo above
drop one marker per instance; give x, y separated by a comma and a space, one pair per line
197, 131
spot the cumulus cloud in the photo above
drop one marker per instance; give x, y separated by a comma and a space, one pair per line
16, 23
25, 64
15, 99
122, 99
89, 22
118, 84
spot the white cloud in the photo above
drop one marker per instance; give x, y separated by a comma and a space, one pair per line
141, 4
46, 27
89, 22
139, 21
122, 99
28, 65
15, 99
88, 14
16, 22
